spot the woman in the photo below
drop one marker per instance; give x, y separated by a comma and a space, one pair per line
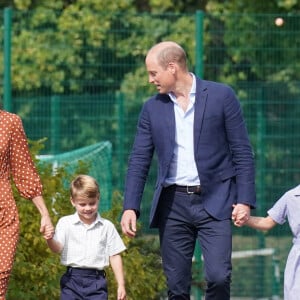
17, 164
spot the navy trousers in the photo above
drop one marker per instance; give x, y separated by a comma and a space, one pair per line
182, 221
83, 284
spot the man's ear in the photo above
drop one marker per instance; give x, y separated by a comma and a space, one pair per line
172, 67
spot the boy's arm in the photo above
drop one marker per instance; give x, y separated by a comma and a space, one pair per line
117, 267
261, 223
54, 245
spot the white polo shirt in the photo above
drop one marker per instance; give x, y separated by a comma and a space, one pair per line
87, 246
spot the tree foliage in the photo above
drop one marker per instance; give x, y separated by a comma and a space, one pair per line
54, 41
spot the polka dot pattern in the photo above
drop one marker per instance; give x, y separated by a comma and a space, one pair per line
15, 163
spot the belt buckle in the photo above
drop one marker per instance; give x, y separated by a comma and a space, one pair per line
188, 192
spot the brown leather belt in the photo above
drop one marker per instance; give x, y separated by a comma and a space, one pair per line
194, 189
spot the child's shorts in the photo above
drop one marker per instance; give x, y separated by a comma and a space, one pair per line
83, 284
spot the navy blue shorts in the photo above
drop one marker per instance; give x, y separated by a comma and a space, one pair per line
83, 284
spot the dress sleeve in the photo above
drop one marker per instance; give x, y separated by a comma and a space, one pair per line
23, 170
279, 210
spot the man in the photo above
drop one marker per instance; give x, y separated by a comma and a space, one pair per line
205, 166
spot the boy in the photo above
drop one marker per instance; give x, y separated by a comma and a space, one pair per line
87, 243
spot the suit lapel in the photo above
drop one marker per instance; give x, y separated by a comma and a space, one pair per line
200, 103
169, 116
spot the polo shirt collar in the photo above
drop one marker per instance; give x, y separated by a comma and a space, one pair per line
76, 219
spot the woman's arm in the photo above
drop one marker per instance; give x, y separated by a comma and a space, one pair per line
46, 228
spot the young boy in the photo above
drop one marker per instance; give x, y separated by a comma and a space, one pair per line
287, 207
87, 244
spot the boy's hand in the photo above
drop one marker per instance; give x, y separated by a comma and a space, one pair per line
121, 293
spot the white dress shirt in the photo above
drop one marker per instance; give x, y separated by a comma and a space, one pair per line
183, 170
87, 246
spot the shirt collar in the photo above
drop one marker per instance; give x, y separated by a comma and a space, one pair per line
192, 91
76, 219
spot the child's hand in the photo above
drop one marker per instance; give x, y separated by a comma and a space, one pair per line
121, 292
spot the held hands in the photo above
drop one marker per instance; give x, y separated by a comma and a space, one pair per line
128, 223
240, 214
46, 229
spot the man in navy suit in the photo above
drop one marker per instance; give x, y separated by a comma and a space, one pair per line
206, 175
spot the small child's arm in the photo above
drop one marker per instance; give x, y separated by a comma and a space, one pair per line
54, 245
117, 267
261, 223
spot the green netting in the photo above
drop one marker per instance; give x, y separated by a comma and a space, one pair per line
98, 159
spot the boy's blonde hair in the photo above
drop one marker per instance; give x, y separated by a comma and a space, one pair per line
84, 186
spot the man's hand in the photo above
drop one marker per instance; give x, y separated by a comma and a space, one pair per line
128, 223
240, 214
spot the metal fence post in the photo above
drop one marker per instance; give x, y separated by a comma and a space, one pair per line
7, 59
120, 138
199, 72
55, 124
261, 166
199, 69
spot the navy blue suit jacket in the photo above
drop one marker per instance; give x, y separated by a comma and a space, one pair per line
223, 153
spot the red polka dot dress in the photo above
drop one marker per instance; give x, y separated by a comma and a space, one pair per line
15, 163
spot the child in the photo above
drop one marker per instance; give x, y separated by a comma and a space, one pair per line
288, 206
87, 243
